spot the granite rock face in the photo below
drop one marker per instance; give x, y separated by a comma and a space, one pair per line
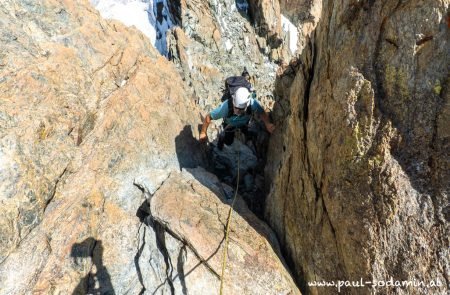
95, 127
92, 122
82, 111
359, 161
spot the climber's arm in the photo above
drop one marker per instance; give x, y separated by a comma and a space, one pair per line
256, 106
219, 112
269, 126
205, 125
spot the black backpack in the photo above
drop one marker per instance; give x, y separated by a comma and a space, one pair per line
232, 84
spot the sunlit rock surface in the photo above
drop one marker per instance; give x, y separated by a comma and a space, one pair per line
92, 120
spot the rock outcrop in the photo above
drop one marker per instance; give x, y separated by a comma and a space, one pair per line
305, 15
189, 214
92, 122
359, 161
214, 40
267, 19
301, 11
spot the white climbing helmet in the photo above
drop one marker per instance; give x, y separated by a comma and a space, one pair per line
241, 98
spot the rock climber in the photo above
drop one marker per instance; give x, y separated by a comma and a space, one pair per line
243, 104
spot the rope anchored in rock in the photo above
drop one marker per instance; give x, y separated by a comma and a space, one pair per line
230, 214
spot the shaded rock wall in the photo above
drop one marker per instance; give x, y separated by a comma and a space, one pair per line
301, 10
266, 18
359, 161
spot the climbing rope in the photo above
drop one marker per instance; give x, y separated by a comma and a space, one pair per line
230, 213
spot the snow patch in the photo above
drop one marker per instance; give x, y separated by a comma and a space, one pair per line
151, 17
131, 13
228, 45
292, 33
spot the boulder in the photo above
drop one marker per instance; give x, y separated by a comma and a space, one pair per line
192, 210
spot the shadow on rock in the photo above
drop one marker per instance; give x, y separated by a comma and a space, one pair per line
173, 272
225, 194
170, 260
193, 154
251, 149
190, 152
142, 213
243, 9
95, 282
